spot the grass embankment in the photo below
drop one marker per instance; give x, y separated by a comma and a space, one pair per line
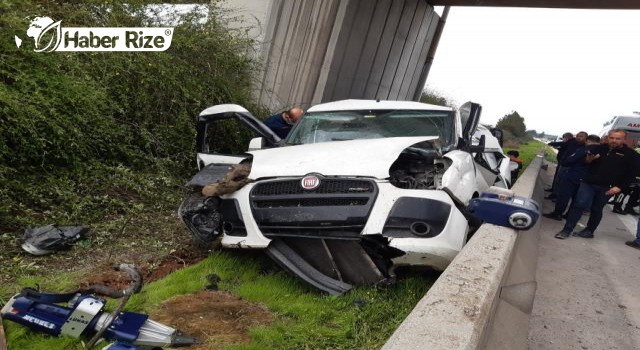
362, 319
530, 150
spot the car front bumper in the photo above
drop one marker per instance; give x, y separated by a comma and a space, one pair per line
424, 224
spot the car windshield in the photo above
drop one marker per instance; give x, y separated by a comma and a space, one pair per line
317, 127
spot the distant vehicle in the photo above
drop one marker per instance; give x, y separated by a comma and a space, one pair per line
357, 188
628, 123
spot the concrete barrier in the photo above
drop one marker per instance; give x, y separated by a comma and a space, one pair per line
483, 300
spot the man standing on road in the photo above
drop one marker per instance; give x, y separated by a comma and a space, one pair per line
565, 148
610, 171
281, 123
575, 169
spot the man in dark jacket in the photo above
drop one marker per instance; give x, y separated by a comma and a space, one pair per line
575, 170
565, 149
610, 171
281, 123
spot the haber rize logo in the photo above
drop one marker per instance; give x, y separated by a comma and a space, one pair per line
49, 35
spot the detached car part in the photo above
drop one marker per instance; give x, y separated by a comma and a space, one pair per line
505, 209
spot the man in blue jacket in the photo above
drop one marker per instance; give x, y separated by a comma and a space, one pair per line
565, 149
281, 123
575, 169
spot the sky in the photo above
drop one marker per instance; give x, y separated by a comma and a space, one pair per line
561, 70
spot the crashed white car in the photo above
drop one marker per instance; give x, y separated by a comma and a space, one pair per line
356, 189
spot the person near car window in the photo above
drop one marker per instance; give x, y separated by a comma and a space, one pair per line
611, 170
514, 157
281, 123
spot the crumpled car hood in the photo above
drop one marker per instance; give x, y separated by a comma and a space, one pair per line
371, 157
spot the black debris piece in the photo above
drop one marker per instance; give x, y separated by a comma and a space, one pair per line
213, 282
48, 239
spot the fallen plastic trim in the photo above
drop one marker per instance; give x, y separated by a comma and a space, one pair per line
292, 262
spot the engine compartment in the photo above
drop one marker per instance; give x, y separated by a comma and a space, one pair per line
418, 168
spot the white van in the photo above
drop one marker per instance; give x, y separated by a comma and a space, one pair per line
628, 123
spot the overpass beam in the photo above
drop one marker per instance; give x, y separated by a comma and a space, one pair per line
327, 50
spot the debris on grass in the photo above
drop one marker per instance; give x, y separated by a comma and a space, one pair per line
48, 239
150, 271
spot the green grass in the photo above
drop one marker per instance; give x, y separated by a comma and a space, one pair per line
305, 319
530, 150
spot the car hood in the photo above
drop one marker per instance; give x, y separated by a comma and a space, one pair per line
370, 157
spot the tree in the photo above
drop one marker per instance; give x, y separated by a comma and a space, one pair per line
513, 123
432, 97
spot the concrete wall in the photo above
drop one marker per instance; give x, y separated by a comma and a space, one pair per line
326, 50
483, 300
251, 15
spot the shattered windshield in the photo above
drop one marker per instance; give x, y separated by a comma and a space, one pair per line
371, 124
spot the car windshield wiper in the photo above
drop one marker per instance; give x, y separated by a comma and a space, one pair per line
339, 139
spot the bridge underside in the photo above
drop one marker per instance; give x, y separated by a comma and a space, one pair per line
325, 50
328, 50
573, 4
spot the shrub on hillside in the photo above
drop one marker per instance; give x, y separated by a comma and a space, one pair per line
60, 112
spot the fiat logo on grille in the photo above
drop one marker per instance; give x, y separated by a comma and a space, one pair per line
310, 182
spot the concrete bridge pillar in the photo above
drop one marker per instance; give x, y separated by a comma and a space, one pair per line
324, 50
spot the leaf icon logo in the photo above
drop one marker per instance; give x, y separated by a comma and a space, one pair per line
54, 33
45, 33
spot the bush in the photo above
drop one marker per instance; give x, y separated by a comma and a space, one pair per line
72, 119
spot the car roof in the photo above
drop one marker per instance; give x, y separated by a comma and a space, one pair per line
351, 105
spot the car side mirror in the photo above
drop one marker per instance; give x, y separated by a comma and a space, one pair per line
256, 144
498, 134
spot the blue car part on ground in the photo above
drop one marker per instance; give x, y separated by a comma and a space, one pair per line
505, 209
84, 316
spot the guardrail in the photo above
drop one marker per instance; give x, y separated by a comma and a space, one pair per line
483, 300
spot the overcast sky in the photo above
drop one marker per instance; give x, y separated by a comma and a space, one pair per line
562, 70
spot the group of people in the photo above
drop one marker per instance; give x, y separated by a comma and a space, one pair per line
590, 172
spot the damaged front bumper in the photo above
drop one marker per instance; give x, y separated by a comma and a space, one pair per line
352, 231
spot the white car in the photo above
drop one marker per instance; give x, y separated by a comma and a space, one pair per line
356, 189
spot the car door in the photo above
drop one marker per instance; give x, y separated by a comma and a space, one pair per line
224, 134
470, 118
484, 145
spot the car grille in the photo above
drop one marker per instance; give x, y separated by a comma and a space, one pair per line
310, 202
338, 207
331, 186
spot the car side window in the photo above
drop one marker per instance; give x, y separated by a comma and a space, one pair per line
228, 136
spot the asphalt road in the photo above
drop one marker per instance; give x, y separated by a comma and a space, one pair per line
588, 294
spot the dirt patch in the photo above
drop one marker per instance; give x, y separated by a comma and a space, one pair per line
172, 262
219, 319
150, 271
